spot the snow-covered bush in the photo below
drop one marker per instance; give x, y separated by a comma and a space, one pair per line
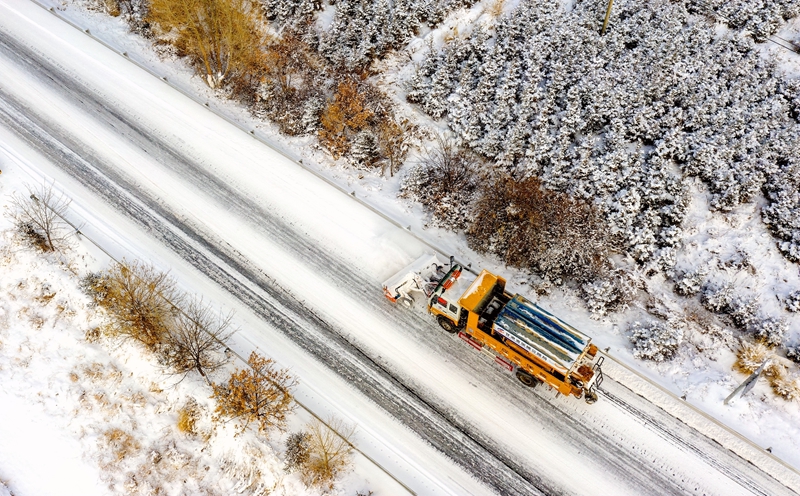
717, 298
769, 330
792, 301
363, 30
690, 283
761, 18
446, 183
609, 294
656, 340
297, 451
743, 310
793, 354
622, 119
782, 215
364, 150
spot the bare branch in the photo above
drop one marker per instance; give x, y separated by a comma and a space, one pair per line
39, 216
196, 339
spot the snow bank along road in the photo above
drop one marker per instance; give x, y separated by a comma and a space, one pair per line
310, 263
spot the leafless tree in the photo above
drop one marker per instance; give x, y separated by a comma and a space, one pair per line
39, 215
195, 340
329, 450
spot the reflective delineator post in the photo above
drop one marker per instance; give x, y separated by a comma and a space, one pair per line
748, 383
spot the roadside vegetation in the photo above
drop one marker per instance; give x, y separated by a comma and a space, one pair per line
138, 310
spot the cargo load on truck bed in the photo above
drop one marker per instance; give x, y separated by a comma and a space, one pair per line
541, 333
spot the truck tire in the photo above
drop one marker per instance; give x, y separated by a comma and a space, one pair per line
590, 397
447, 324
527, 379
407, 301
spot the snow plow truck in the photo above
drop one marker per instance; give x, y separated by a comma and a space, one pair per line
521, 337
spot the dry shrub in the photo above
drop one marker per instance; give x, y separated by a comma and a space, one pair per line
260, 393
750, 356
784, 385
291, 89
496, 8
329, 452
548, 232
121, 443
343, 117
138, 296
223, 39
187, 417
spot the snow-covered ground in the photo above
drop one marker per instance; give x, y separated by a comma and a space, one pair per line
375, 246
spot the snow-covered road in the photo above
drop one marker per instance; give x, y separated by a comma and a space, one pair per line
308, 261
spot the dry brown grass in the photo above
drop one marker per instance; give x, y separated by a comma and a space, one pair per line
784, 385
750, 356
121, 444
187, 417
496, 8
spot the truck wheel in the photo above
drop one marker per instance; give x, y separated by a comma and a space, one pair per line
447, 324
407, 301
590, 397
527, 379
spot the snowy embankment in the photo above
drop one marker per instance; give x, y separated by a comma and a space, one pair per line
84, 415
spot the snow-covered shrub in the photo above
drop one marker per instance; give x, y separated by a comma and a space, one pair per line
717, 334
656, 340
609, 294
554, 235
690, 283
769, 330
621, 119
793, 354
750, 356
782, 215
761, 18
364, 150
292, 14
445, 182
297, 451
717, 298
363, 30
792, 302
743, 310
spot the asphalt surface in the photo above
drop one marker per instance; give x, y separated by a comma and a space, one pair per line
412, 403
